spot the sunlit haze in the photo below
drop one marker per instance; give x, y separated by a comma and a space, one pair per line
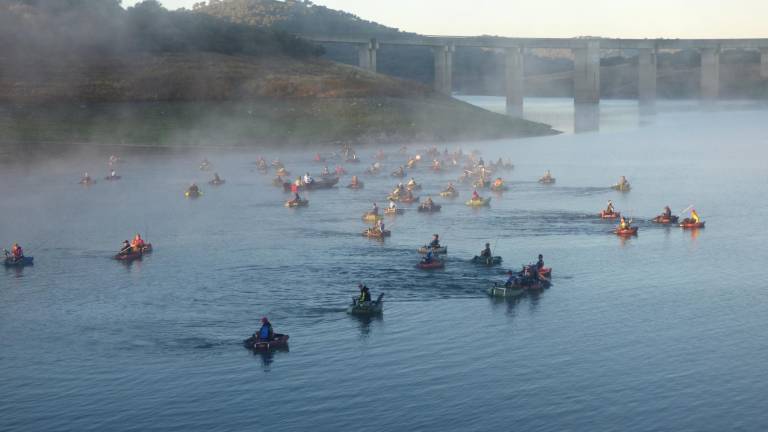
560, 18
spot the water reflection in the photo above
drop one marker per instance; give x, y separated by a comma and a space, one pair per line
625, 241
364, 322
132, 267
17, 272
534, 297
647, 112
268, 357
586, 118
511, 303
694, 233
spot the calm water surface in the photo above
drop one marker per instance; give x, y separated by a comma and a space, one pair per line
666, 331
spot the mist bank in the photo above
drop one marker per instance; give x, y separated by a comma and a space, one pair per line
89, 71
211, 99
297, 122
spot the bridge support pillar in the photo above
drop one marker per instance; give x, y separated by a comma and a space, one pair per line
586, 87
367, 55
764, 63
710, 74
444, 68
586, 77
515, 81
646, 90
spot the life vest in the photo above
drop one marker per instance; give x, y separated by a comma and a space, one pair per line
264, 332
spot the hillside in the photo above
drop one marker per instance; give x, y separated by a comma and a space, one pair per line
91, 71
208, 99
301, 17
149, 77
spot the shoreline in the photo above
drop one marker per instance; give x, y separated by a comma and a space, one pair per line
296, 123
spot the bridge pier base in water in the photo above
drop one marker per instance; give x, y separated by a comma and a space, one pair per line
710, 74
515, 81
647, 72
444, 68
367, 55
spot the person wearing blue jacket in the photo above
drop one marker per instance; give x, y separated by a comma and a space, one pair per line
265, 333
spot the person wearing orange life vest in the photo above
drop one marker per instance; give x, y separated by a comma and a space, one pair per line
137, 243
17, 252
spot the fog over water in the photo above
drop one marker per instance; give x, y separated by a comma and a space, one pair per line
665, 331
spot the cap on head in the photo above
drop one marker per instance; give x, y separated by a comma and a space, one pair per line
264, 319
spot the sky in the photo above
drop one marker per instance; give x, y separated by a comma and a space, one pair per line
559, 18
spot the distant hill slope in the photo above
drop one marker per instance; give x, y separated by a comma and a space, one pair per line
148, 77
302, 17
90, 71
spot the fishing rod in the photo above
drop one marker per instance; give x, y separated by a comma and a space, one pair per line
686, 209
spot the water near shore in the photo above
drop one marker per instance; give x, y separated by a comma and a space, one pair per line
666, 331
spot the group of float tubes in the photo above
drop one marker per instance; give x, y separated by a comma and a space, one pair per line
475, 172
532, 277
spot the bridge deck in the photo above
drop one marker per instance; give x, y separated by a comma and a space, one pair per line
567, 43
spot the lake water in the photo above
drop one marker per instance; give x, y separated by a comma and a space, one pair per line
665, 331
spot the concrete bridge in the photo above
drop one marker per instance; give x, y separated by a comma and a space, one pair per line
586, 52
